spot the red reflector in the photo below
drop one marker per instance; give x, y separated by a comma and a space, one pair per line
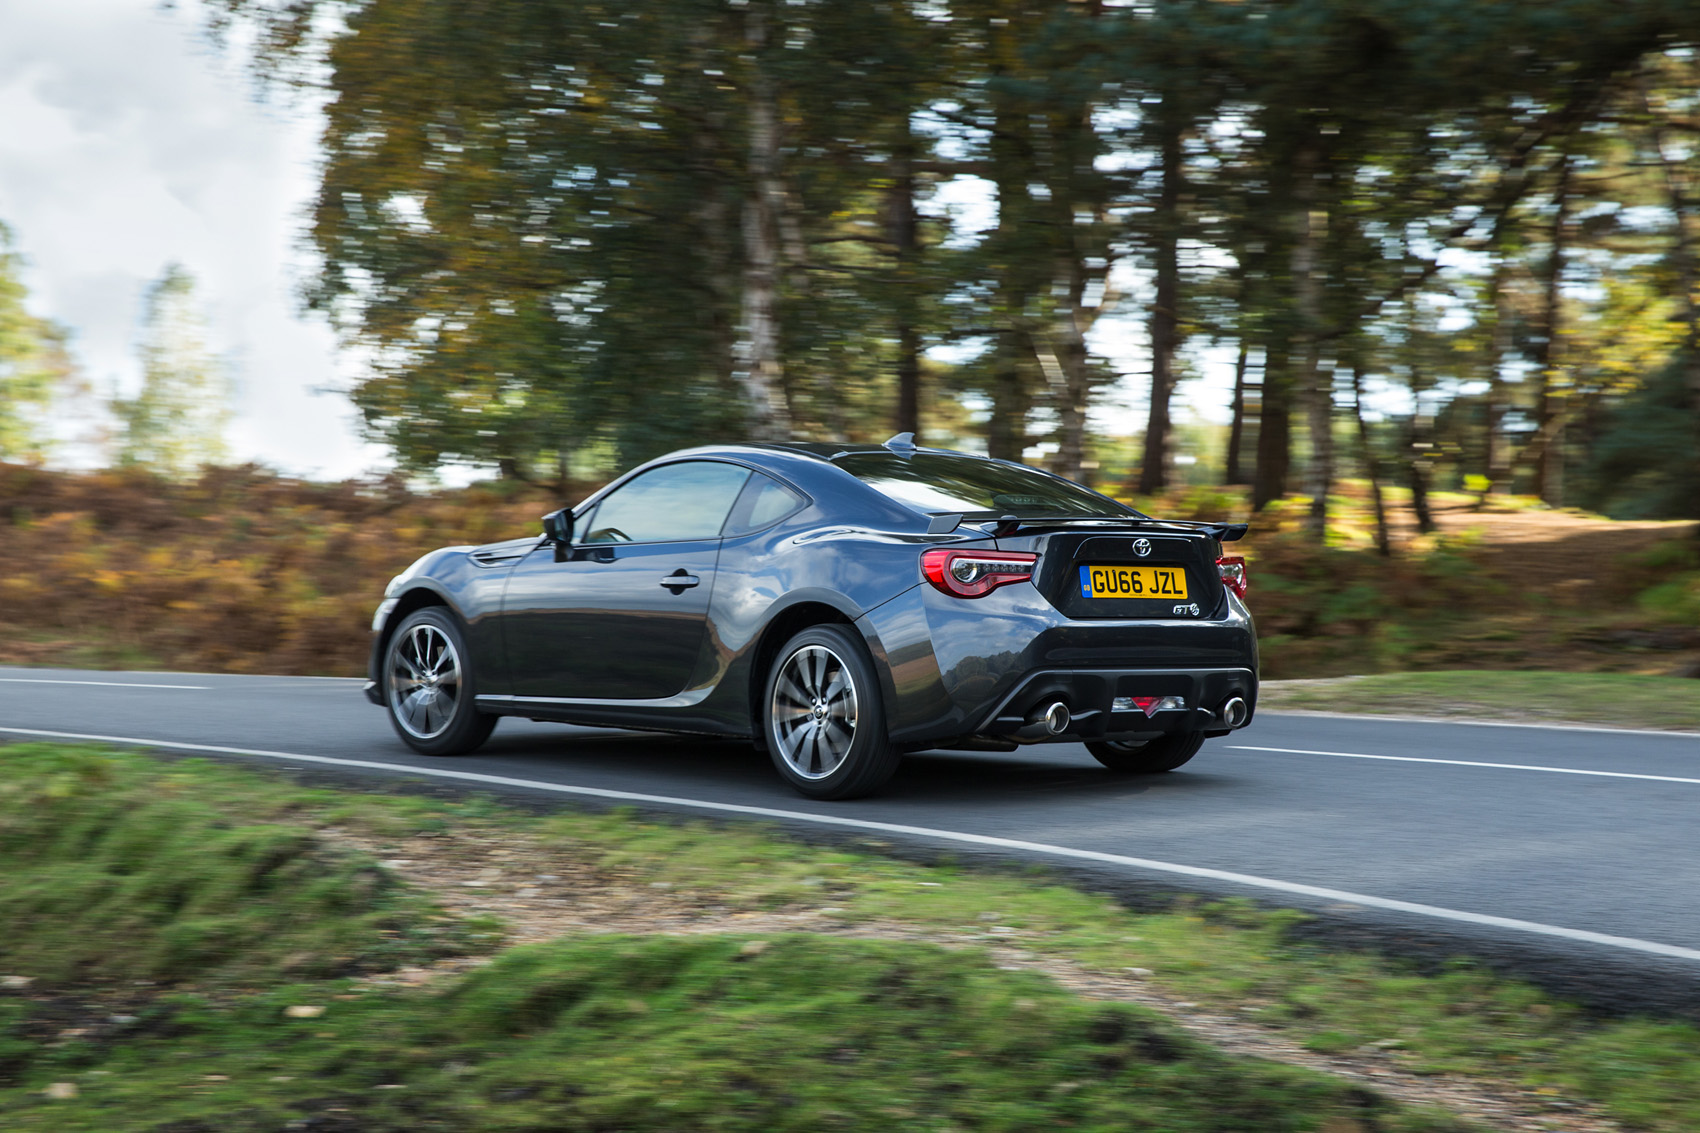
1232, 570
969, 574
1146, 704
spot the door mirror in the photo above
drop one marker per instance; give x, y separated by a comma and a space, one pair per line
558, 529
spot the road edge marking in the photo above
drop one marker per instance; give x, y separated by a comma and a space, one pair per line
1465, 763
103, 684
1627, 943
1474, 722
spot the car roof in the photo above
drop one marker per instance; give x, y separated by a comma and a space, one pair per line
807, 466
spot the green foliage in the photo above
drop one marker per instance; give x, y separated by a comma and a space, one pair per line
1644, 463
175, 425
553, 227
35, 368
110, 871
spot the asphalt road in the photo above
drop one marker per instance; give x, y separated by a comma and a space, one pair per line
1569, 855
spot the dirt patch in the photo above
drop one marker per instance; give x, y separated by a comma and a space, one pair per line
543, 895
1544, 548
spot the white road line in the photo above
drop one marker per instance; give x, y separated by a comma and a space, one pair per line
105, 684
1468, 763
1627, 943
1474, 722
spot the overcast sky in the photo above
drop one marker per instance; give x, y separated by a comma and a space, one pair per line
127, 142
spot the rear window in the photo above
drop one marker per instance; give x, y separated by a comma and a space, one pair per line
936, 482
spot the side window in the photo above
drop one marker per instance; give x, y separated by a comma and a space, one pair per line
669, 504
765, 501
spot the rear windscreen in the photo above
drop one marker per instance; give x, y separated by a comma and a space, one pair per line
935, 482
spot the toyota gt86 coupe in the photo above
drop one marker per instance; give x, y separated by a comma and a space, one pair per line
838, 605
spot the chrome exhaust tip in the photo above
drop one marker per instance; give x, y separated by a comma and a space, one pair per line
1235, 712
1056, 718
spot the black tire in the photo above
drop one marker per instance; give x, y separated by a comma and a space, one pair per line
1162, 754
823, 717
428, 686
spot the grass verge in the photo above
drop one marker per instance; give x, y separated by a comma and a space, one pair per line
716, 1030
1622, 700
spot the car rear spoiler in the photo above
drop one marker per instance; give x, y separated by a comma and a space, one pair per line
1221, 532
945, 523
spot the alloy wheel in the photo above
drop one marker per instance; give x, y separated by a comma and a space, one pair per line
814, 712
425, 681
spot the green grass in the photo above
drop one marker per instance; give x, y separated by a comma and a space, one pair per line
118, 870
705, 1032
663, 1034
1616, 699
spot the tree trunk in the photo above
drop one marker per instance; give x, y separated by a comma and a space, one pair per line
1236, 431
1685, 265
1416, 471
1070, 386
1498, 445
904, 238
758, 369
1549, 456
1274, 429
1083, 256
1315, 379
1165, 323
1006, 432
1372, 466
1417, 447
1019, 269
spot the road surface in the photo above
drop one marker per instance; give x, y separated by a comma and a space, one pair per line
1569, 855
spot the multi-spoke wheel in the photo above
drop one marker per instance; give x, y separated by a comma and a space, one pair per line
825, 725
428, 686
1165, 753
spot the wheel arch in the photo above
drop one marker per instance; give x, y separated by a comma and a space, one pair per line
781, 628
416, 598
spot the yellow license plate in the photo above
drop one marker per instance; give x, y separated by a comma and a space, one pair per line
1132, 582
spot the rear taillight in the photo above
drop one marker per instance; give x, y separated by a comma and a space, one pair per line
969, 574
1232, 570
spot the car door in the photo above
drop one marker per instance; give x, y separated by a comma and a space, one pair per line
624, 617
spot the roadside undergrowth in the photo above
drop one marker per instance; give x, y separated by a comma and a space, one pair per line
658, 975
245, 571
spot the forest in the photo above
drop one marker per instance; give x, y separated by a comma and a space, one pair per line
1448, 245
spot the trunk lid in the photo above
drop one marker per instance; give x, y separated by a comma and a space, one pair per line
1065, 549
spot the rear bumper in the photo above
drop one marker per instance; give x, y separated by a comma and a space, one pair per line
960, 669
1103, 703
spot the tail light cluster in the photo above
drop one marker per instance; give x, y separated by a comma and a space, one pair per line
1232, 570
970, 574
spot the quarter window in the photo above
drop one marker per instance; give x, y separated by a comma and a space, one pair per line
676, 502
765, 502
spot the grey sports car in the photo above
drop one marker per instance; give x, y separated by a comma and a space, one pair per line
838, 605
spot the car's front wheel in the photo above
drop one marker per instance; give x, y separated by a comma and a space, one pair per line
1165, 753
824, 719
428, 686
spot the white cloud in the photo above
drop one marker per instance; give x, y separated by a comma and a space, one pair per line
129, 143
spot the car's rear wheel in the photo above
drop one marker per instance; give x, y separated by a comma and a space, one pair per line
1164, 753
824, 720
428, 686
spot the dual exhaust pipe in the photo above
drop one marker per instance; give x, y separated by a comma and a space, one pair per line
1053, 719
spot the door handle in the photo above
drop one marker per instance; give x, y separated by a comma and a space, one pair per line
679, 580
